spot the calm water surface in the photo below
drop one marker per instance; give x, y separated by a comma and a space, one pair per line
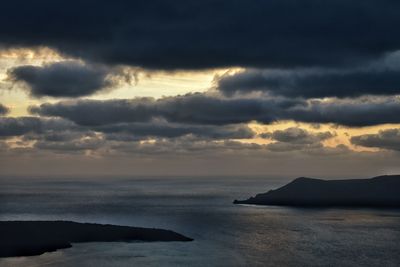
225, 234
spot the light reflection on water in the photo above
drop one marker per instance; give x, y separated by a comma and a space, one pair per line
225, 234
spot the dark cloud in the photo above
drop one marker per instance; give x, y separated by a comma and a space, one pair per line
122, 142
210, 33
24, 125
185, 146
297, 135
295, 138
98, 112
74, 145
61, 134
353, 113
287, 147
137, 131
386, 139
121, 138
4, 110
203, 109
314, 83
62, 79
191, 108
312, 149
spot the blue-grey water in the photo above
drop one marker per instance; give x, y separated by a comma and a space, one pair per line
225, 234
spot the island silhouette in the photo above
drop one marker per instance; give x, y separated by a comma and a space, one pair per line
381, 191
29, 238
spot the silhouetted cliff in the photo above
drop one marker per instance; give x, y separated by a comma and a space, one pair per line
382, 191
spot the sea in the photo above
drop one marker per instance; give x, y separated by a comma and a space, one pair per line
201, 208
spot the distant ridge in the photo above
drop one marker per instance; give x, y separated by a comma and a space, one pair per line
381, 191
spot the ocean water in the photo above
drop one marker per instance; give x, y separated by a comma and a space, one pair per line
200, 207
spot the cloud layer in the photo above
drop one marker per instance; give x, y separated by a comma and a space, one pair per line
182, 34
212, 110
318, 83
191, 109
62, 130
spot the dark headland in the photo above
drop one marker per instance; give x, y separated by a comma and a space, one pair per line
382, 191
28, 238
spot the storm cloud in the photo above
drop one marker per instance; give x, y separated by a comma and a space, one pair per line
181, 34
62, 79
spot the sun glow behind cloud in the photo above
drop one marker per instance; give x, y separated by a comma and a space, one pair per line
144, 83
158, 84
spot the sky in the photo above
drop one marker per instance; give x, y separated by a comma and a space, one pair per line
173, 87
